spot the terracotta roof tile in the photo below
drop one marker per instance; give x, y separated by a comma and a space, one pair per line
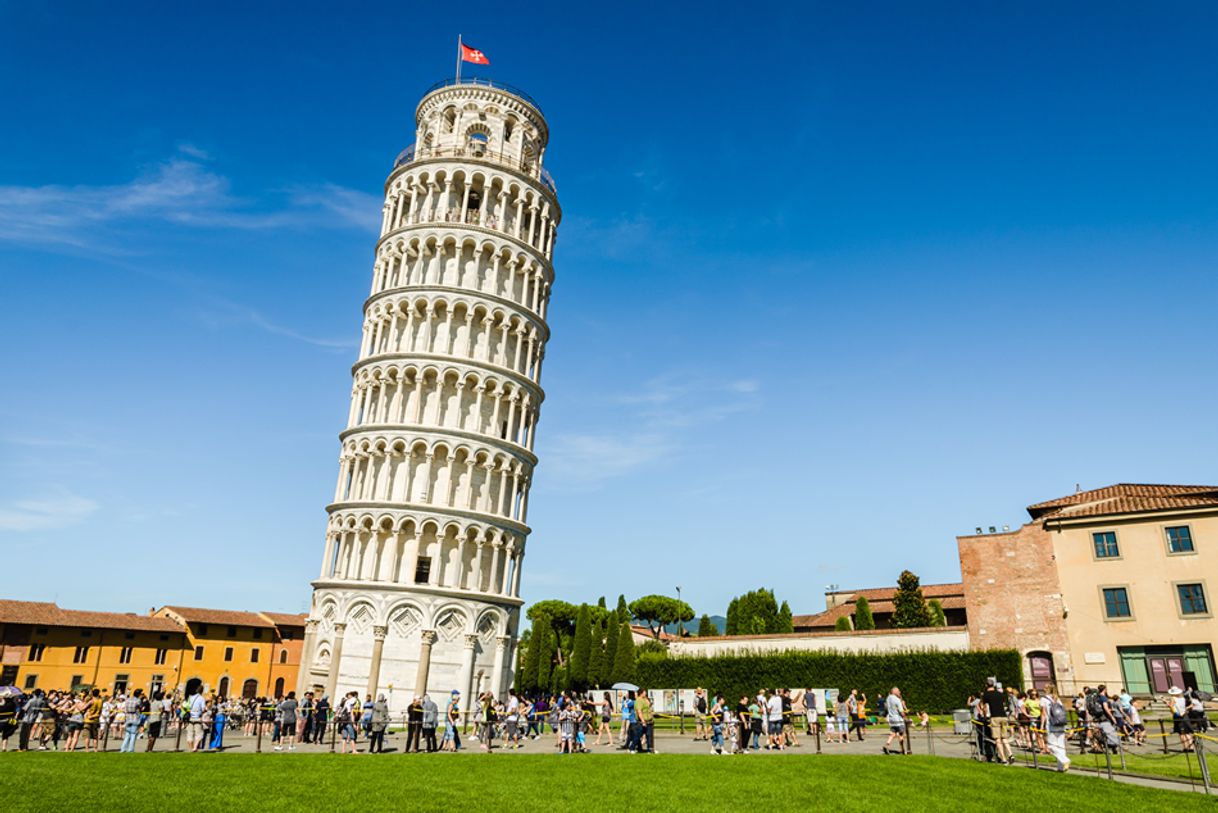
234, 618
1125, 498
45, 613
285, 619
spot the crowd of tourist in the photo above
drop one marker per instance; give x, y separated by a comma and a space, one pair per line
1004, 721
1039, 721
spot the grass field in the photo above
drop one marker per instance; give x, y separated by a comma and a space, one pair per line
551, 783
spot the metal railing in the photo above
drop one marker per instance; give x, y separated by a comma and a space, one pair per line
489, 83
414, 153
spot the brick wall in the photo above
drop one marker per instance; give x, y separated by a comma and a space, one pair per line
1013, 595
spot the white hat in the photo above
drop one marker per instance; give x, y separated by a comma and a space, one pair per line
1175, 690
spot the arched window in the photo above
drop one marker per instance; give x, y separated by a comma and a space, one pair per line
223, 689
249, 689
279, 687
283, 656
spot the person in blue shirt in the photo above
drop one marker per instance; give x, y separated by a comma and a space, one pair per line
628, 740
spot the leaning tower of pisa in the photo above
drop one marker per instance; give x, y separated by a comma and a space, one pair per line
420, 581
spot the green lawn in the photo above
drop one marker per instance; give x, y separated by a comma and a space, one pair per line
1144, 761
551, 783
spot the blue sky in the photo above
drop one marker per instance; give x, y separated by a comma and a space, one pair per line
836, 282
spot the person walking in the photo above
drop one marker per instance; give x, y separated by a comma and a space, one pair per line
31, 715
894, 708
774, 722
288, 708
194, 731
1180, 723
380, 721
321, 716
452, 717
647, 725
716, 725
431, 718
345, 719
699, 714
131, 721
154, 710
414, 725
994, 704
1056, 722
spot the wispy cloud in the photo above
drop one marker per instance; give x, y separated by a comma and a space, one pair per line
657, 422
222, 313
57, 509
182, 190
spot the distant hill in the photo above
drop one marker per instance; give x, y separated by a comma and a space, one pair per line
691, 627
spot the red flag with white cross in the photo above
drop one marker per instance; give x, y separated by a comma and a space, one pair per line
473, 55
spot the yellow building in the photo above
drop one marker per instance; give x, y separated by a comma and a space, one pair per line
236, 653
1111, 585
45, 646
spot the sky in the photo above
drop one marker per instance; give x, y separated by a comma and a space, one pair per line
835, 282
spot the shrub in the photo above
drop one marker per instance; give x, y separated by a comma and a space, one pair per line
931, 681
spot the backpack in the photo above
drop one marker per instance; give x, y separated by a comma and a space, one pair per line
700, 705
1057, 715
1095, 706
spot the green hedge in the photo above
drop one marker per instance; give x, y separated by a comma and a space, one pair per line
930, 681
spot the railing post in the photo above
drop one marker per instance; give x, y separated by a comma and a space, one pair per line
1163, 734
106, 735
333, 733
817, 735
258, 744
930, 740
1202, 763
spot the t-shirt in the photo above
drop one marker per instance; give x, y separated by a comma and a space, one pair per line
1032, 706
131, 708
93, 713
642, 708
628, 710
197, 704
775, 708
995, 702
288, 709
895, 708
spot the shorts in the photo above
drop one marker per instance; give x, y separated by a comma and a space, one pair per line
699, 717
154, 729
74, 726
1181, 725
775, 727
91, 730
998, 727
896, 728
605, 718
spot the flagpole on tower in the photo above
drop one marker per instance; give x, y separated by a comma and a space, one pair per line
458, 59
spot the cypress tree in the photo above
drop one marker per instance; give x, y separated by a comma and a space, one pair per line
528, 670
623, 611
863, 619
581, 651
705, 627
596, 658
613, 629
785, 623
545, 656
623, 661
908, 604
842, 624
600, 602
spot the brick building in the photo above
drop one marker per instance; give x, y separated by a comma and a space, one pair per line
1108, 586
840, 604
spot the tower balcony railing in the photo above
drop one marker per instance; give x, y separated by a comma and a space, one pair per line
479, 153
487, 83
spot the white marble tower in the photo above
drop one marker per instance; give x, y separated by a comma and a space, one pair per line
420, 581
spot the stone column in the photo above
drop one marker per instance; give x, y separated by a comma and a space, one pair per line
420, 683
501, 644
467, 670
335, 660
306, 657
378, 646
